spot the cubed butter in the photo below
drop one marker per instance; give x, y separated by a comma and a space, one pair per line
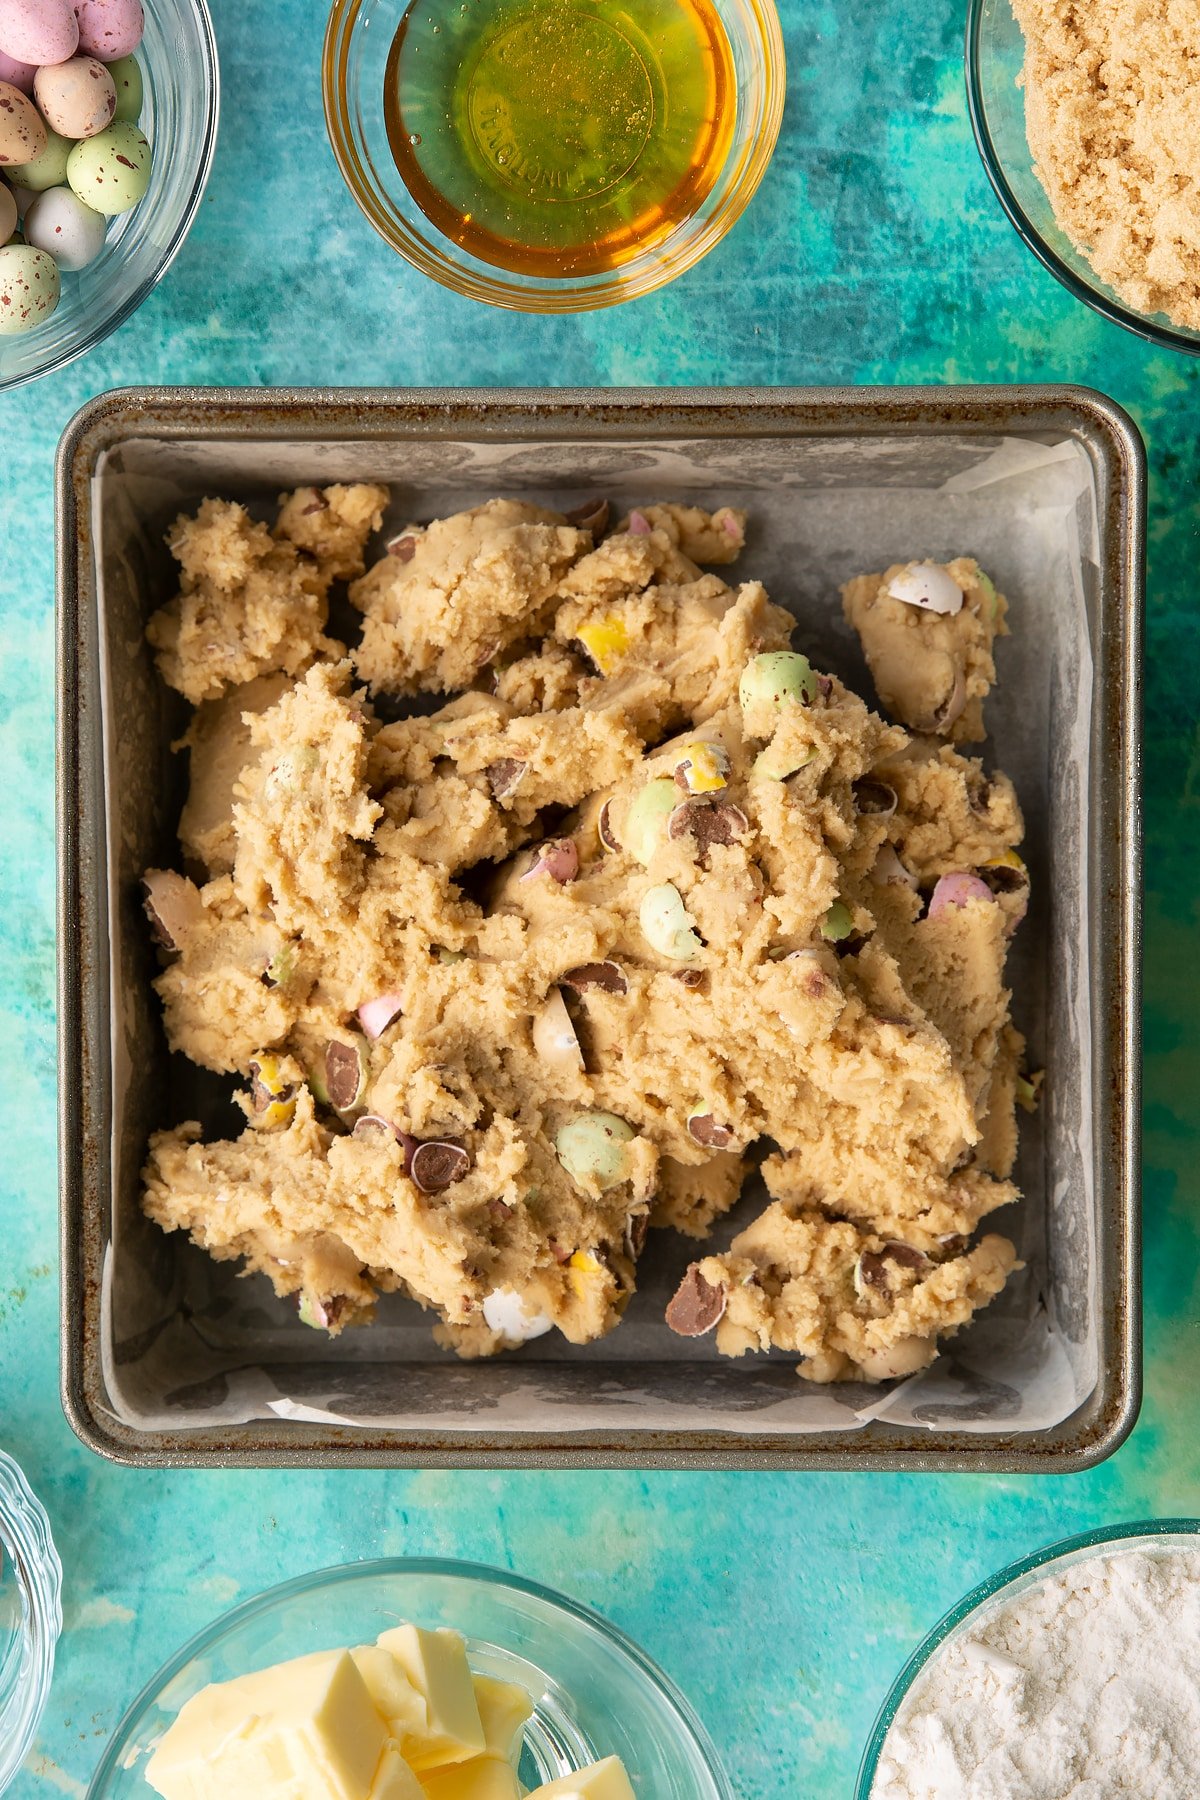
395, 1697
435, 1662
483, 1778
394, 1780
503, 1709
605, 1780
306, 1729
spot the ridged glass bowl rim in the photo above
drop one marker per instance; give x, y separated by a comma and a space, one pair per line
1141, 324
28, 1542
109, 323
371, 1568
1104, 1537
642, 275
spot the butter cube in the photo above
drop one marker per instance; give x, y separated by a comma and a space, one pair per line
303, 1730
395, 1697
483, 1778
503, 1709
394, 1780
435, 1662
605, 1780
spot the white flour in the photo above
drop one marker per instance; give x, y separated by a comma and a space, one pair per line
1086, 1687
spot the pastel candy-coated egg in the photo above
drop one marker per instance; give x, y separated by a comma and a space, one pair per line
17, 74
38, 31
127, 79
46, 170
28, 288
24, 196
62, 225
8, 214
22, 134
110, 29
111, 171
77, 98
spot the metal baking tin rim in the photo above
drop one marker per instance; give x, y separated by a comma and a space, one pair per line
1114, 444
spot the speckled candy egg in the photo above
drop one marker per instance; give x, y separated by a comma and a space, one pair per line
111, 171
127, 79
62, 225
46, 170
38, 31
22, 134
28, 288
77, 98
18, 74
109, 28
8, 214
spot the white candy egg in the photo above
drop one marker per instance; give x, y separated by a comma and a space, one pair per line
59, 222
505, 1311
928, 586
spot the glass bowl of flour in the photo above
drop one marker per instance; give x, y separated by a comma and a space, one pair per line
1074, 1671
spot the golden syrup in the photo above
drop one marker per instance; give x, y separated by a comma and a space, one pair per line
559, 137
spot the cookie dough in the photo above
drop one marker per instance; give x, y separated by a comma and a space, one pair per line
509, 983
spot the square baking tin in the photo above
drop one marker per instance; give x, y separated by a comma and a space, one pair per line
167, 1359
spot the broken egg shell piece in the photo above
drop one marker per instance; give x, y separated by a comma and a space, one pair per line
558, 858
173, 907
952, 706
554, 1037
376, 1015
609, 977
708, 822
646, 818
665, 925
704, 1128
703, 768
505, 777
345, 1074
696, 1306
312, 1312
370, 1123
776, 764
514, 1318
957, 890
590, 515
887, 870
928, 586
282, 966
604, 830
591, 1148
873, 798
639, 525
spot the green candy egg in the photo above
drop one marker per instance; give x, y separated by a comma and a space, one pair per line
646, 820
778, 676
592, 1148
111, 171
28, 288
838, 923
127, 79
47, 170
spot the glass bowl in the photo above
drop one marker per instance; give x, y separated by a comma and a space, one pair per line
995, 55
1018, 1577
30, 1615
357, 44
178, 58
595, 1693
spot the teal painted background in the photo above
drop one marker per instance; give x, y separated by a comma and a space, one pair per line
874, 252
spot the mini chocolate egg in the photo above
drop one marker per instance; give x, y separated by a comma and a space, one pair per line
109, 28
38, 31
24, 196
28, 288
46, 170
77, 98
111, 171
22, 134
18, 74
127, 79
61, 224
8, 214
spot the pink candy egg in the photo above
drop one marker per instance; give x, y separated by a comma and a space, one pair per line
109, 28
77, 98
38, 31
8, 214
17, 74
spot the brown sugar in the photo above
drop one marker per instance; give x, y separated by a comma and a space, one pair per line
1113, 121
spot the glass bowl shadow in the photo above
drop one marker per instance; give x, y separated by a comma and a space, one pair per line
178, 58
357, 43
995, 54
1016, 1578
596, 1694
30, 1616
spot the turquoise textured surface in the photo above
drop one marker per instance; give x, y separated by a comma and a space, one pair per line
873, 252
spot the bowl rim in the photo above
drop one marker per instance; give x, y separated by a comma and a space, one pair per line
29, 1541
372, 1568
984, 1593
89, 339
1143, 325
512, 292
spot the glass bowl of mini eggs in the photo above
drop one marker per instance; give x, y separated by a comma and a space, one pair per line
108, 122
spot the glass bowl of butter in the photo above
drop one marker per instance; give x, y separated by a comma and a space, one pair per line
553, 155
30, 1615
410, 1679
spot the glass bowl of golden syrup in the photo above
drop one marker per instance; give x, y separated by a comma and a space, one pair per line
553, 155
